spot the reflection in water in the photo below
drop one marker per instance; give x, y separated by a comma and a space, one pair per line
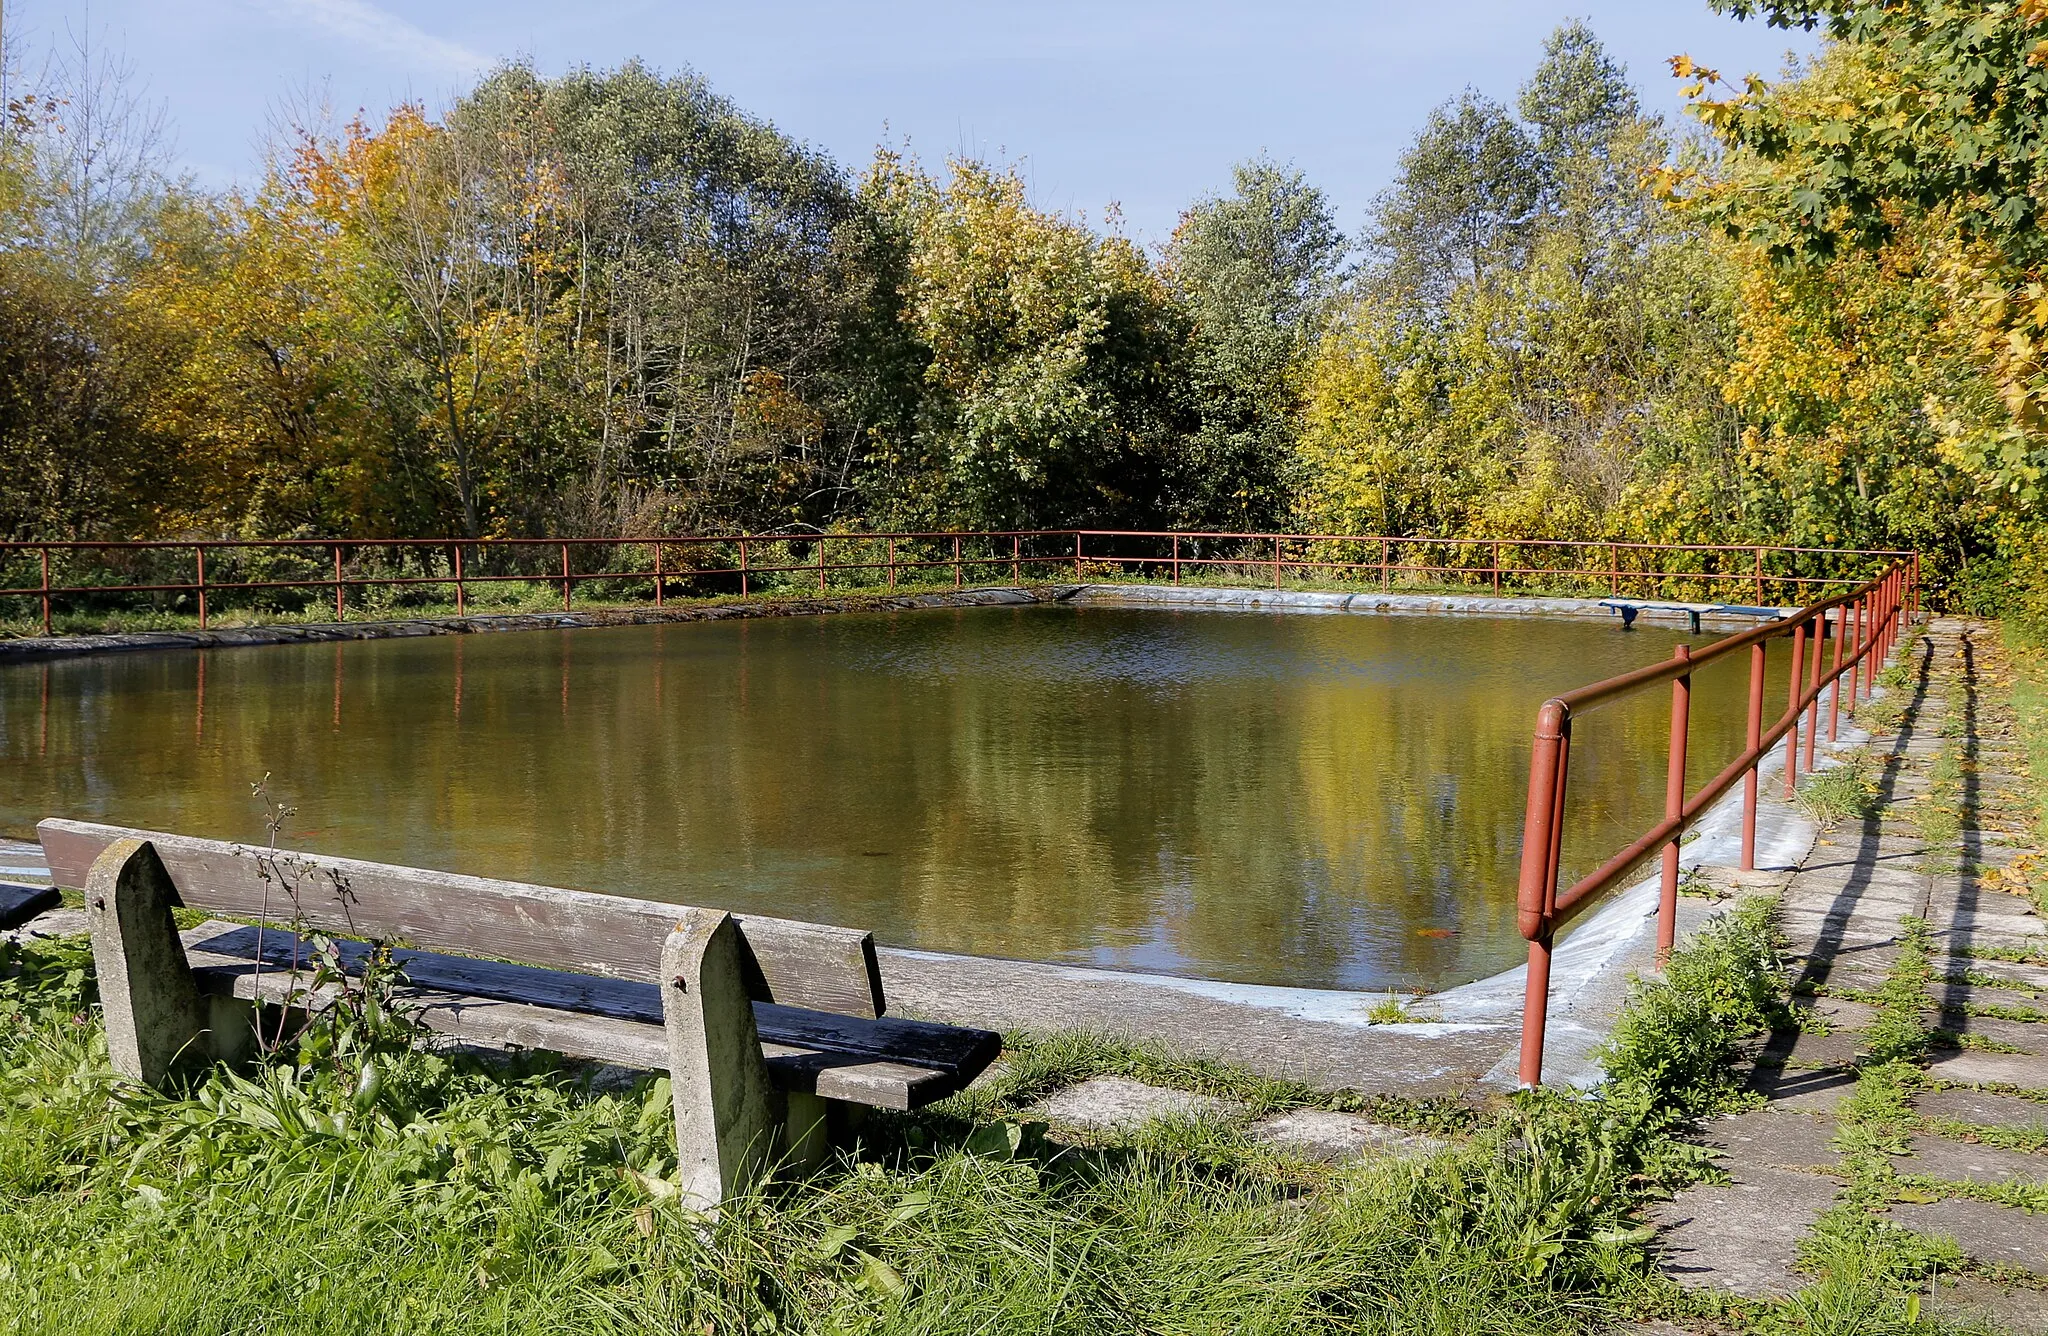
1312, 800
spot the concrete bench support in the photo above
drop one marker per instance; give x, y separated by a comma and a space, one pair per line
156, 1017
724, 1103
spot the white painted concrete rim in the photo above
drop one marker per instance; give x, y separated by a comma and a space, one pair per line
1388, 603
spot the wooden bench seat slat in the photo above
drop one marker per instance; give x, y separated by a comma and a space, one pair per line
808, 965
19, 904
500, 1023
949, 1049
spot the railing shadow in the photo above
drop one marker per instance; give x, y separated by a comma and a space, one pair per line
1960, 932
1831, 944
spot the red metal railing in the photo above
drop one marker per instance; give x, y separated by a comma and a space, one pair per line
733, 563
1863, 625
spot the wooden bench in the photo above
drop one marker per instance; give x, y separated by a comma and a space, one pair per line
771, 1030
1631, 608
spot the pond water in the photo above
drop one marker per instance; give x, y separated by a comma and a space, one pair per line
1329, 801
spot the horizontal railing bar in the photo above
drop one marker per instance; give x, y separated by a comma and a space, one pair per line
1618, 867
625, 540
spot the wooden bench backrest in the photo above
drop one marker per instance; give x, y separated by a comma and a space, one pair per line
809, 965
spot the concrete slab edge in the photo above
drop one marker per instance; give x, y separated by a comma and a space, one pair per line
51, 647
1392, 604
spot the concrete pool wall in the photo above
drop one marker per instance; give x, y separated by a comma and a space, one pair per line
1116, 595
1322, 1035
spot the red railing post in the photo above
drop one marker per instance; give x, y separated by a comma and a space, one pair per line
821, 563
199, 550
892, 565
1674, 807
657, 571
1894, 598
1792, 707
743, 568
1866, 616
1176, 558
1884, 622
1496, 568
1856, 657
1613, 570
1276, 563
1759, 577
956, 561
46, 591
340, 614
1835, 670
1077, 556
1016, 559
565, 577
1385, 576
1536, 889
461, 595
1820, 632
1754, 740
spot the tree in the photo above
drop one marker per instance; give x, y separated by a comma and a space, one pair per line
1924, 113
1052, 355
101, 154
1461, 204
1538, 339
1256, 271
79, 186
730, 276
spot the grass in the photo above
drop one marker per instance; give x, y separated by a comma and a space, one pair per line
2025, 645
428, 602
1844, 792
455, 1196
1940, 816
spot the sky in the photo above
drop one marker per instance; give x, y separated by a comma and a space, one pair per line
1141, 105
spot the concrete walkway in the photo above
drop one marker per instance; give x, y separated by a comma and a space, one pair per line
1959, 1148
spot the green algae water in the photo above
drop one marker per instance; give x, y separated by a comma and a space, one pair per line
1283, 798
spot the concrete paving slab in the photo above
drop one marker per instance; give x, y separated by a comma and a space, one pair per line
993, 1074
1965, 1162
55, 923
1808, 1049
1982, 1108
1321, 1134
1987, 1232
1837, 1013
1847, 977
1971, 1067
1802, 928
1778, 1137
2009, 1309
1976, 923
2023, 976
1741, 1236
1804, 1091
1850, 899
1116, 1103
1956, 996
2029, 1036
1322, 1036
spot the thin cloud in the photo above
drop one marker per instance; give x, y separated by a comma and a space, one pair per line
386, 33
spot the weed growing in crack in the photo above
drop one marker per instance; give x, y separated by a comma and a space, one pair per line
1845, 792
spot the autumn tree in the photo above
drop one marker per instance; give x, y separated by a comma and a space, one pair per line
1461, 204
1255, 271
1052, 356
